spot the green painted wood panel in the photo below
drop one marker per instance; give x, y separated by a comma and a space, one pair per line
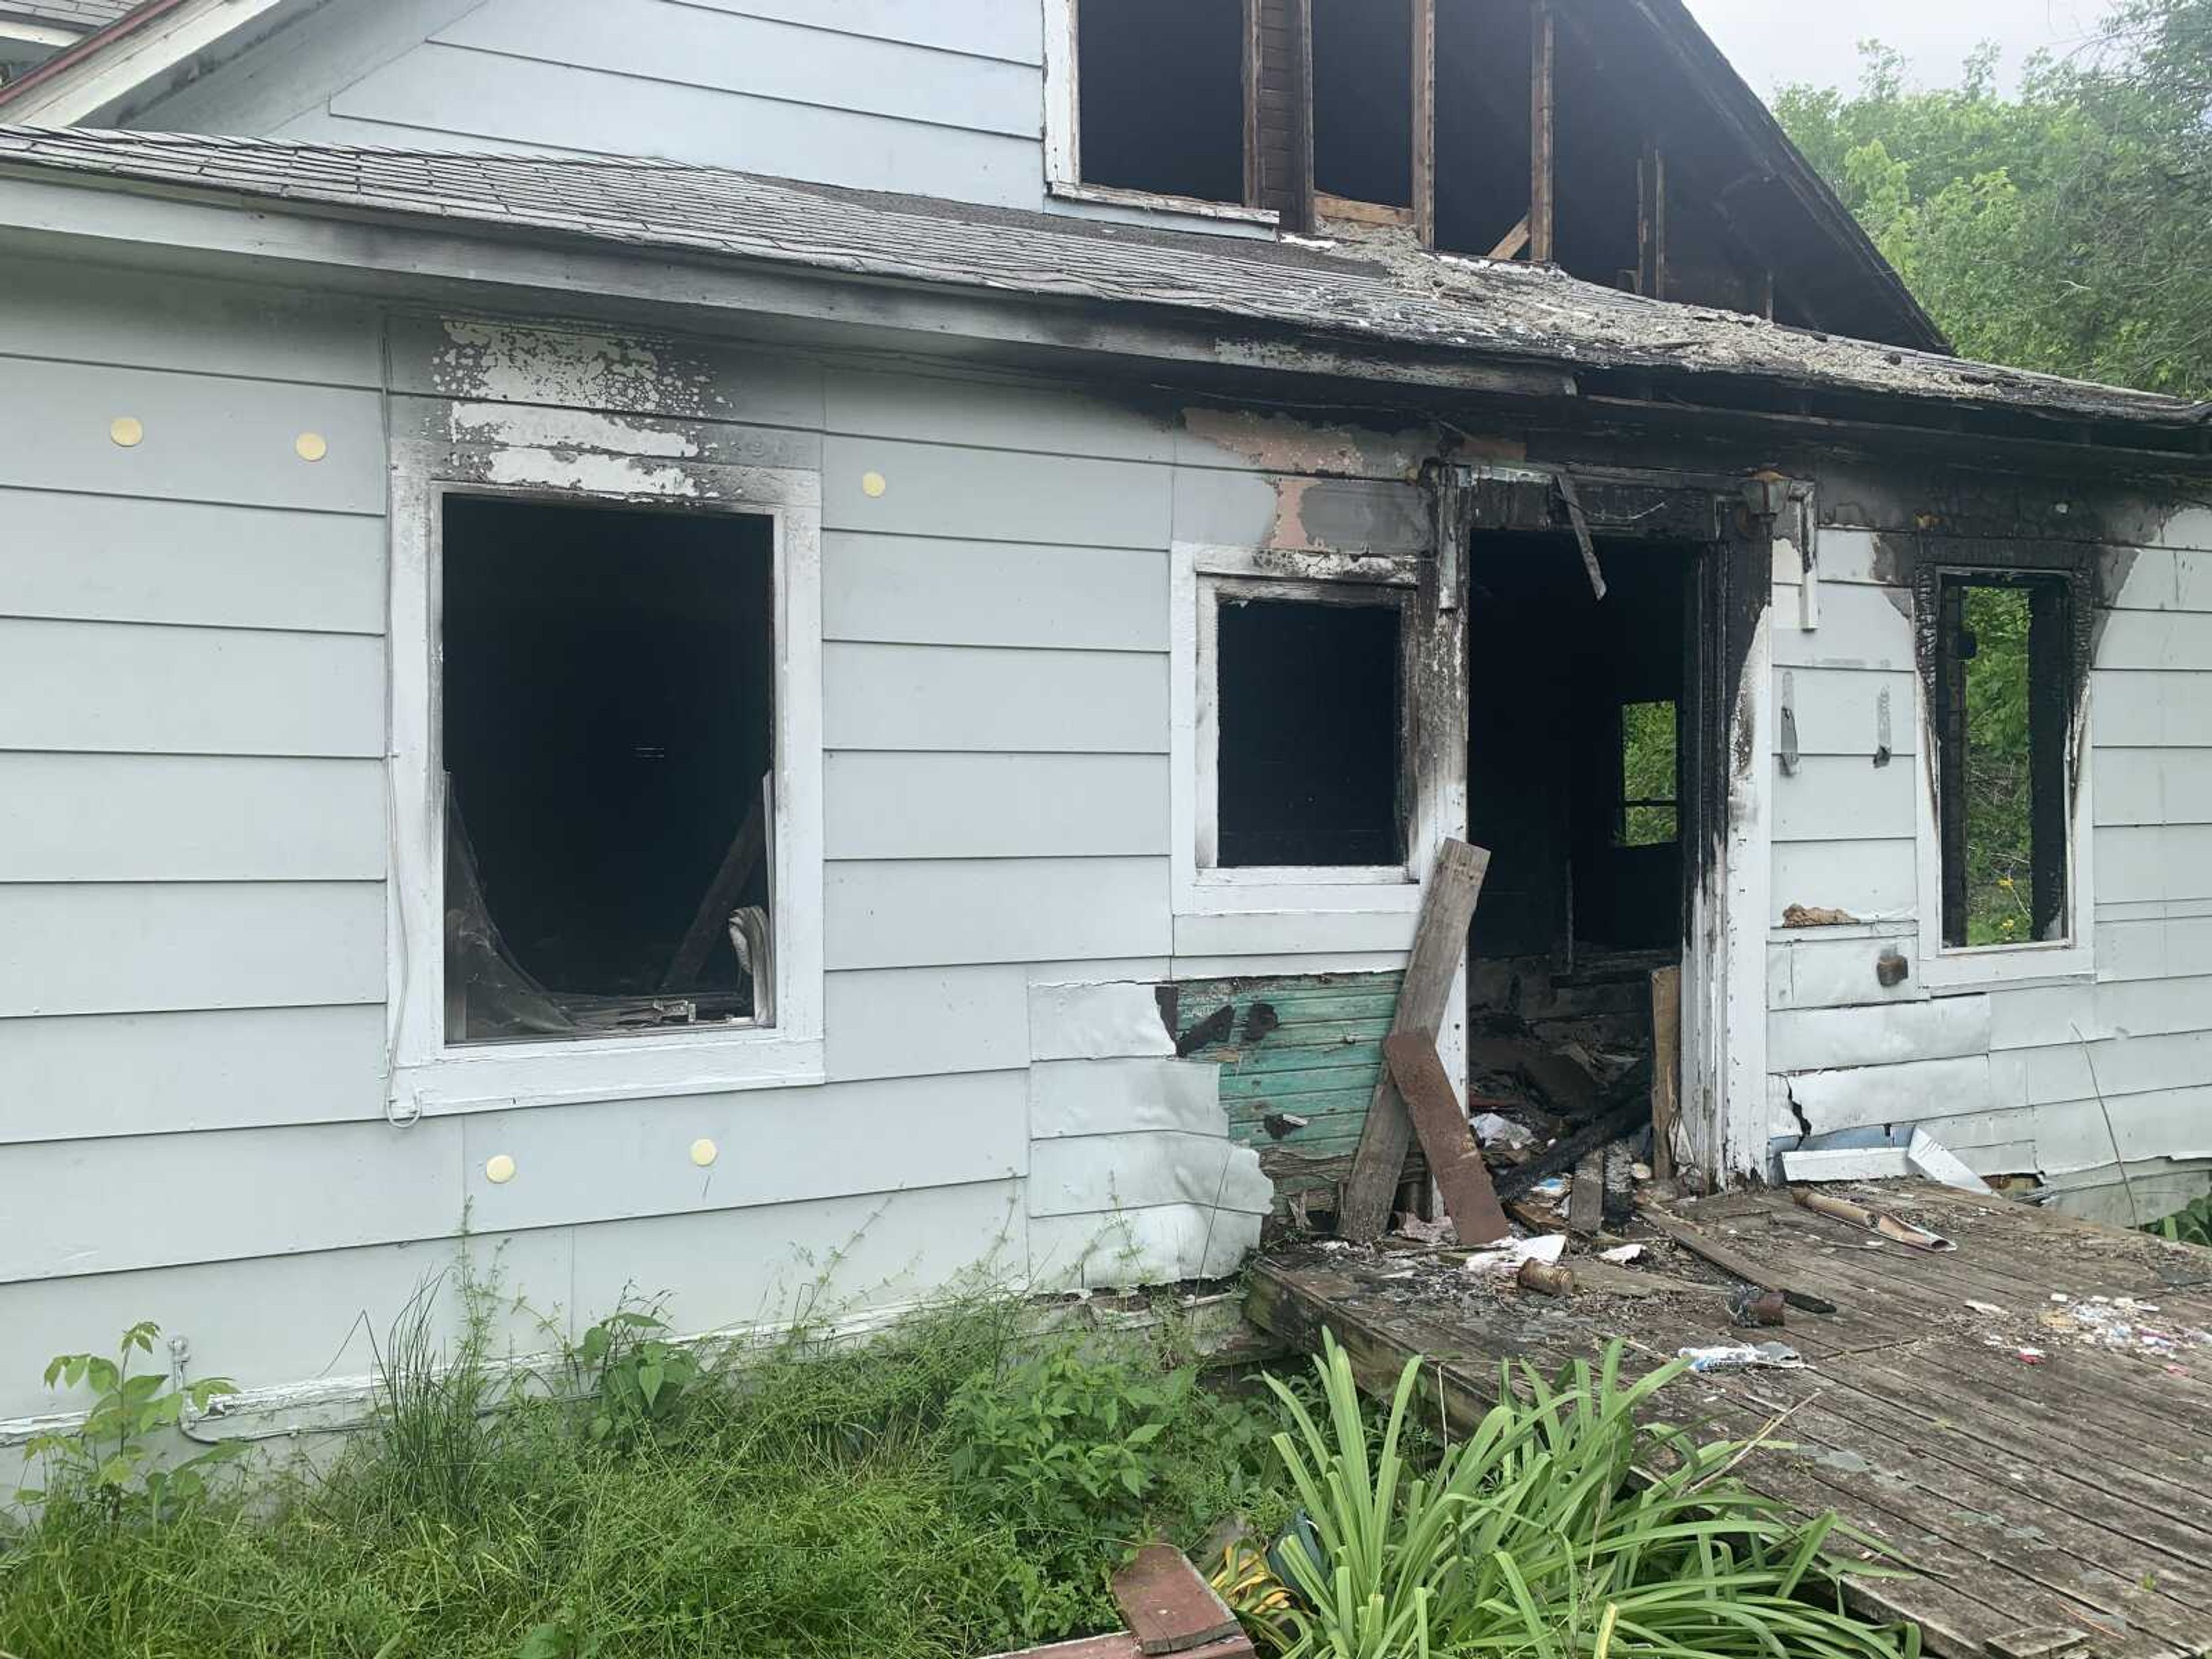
1319, 1066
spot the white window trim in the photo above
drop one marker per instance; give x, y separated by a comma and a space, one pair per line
1947, 968
1063, 131
1201, 575
430, 1077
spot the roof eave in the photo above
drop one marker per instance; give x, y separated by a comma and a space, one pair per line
88, 82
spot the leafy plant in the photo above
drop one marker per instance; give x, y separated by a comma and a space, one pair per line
109, 1457
636, 1379
1563, 1524
2190, 1224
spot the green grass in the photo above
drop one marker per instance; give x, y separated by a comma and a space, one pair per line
801, 1501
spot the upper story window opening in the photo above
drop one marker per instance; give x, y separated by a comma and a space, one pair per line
1163, 96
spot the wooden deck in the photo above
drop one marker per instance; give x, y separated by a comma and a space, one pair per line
2072, 1495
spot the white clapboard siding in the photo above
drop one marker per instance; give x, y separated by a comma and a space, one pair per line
1815, 1040
220, 1197
2152, 786
1868, 879
1162, 1244
2143, 579
112, 558
133, 687
1813, 971
274, 1320
81, 313
189, 817
494, 98
2076, 1135
1097, 1021
782, 1264
2039, 1017
1877, 1095
1090, 1175
2155, 639
2069, 1068
1075, 1097
979, 28
1332, 933
1040, 420
787, 63
942, 697
205, 438
921, 591
87, 949
987, 495
893, 805
1834, 797
2144, 709
2154, 948
922, 913
2152, 863
1860, 627
609, 1161
95, 1075
923, 1022
1838, 711
1238, 508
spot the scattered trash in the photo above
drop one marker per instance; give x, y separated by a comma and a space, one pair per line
1550, 1191
2121, 1323
1875, 1221
1546, 1279
1516, 1252
1744, 1357
1442, 1232
1750, 1305
1491, 1130
1640, 1171
2031, 1356
1624, 1255
1989, 1309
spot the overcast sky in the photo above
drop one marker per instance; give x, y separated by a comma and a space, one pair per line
1776, 42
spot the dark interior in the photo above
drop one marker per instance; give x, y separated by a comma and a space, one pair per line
607, 724
1163, 96
1553, 670
1363, 99
1482, 122
1312, 734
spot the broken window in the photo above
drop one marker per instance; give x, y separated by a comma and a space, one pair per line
2003, 709
1309, 729
1161, 97
608, 732
1363, 100
1649, 746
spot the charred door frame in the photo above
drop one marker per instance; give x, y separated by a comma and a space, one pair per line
1725, 790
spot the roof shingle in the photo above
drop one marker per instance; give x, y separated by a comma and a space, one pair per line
1500, 311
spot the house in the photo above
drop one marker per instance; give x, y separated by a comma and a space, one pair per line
705, 641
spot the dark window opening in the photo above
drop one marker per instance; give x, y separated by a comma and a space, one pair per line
2002, 711
1363, 99
1650, 739
1482, 170
1577, 772
1162, 99
608, 687
1310, 765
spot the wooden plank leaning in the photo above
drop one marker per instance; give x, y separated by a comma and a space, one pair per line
1447, 1138
1439, 941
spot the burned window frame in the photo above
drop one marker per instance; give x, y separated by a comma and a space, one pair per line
433, 1073
2061, 582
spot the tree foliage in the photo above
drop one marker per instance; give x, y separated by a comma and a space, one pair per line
2067, 227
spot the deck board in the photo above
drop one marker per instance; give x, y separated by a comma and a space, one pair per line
2070, 1493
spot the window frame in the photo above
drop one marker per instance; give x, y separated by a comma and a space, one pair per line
1622, 805
431, 1075
1063, 129
2072, 956
1204, 576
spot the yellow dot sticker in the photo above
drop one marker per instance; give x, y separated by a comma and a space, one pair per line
704, 1152
499, 1169
127, 430
873, 485
311, 446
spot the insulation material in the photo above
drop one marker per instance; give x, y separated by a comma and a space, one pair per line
1161, 1245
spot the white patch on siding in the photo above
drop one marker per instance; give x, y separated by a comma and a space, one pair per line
603, 475
1096, 1022
516, 364
532, 426
1114, 1098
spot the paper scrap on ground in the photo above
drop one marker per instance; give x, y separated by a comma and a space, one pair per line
1491, 1130
1516, 1251
1624, 1255
1744, 1357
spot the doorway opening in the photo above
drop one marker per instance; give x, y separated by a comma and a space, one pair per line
1583, 766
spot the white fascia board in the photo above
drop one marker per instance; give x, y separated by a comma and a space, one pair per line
21, 30
84, 93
